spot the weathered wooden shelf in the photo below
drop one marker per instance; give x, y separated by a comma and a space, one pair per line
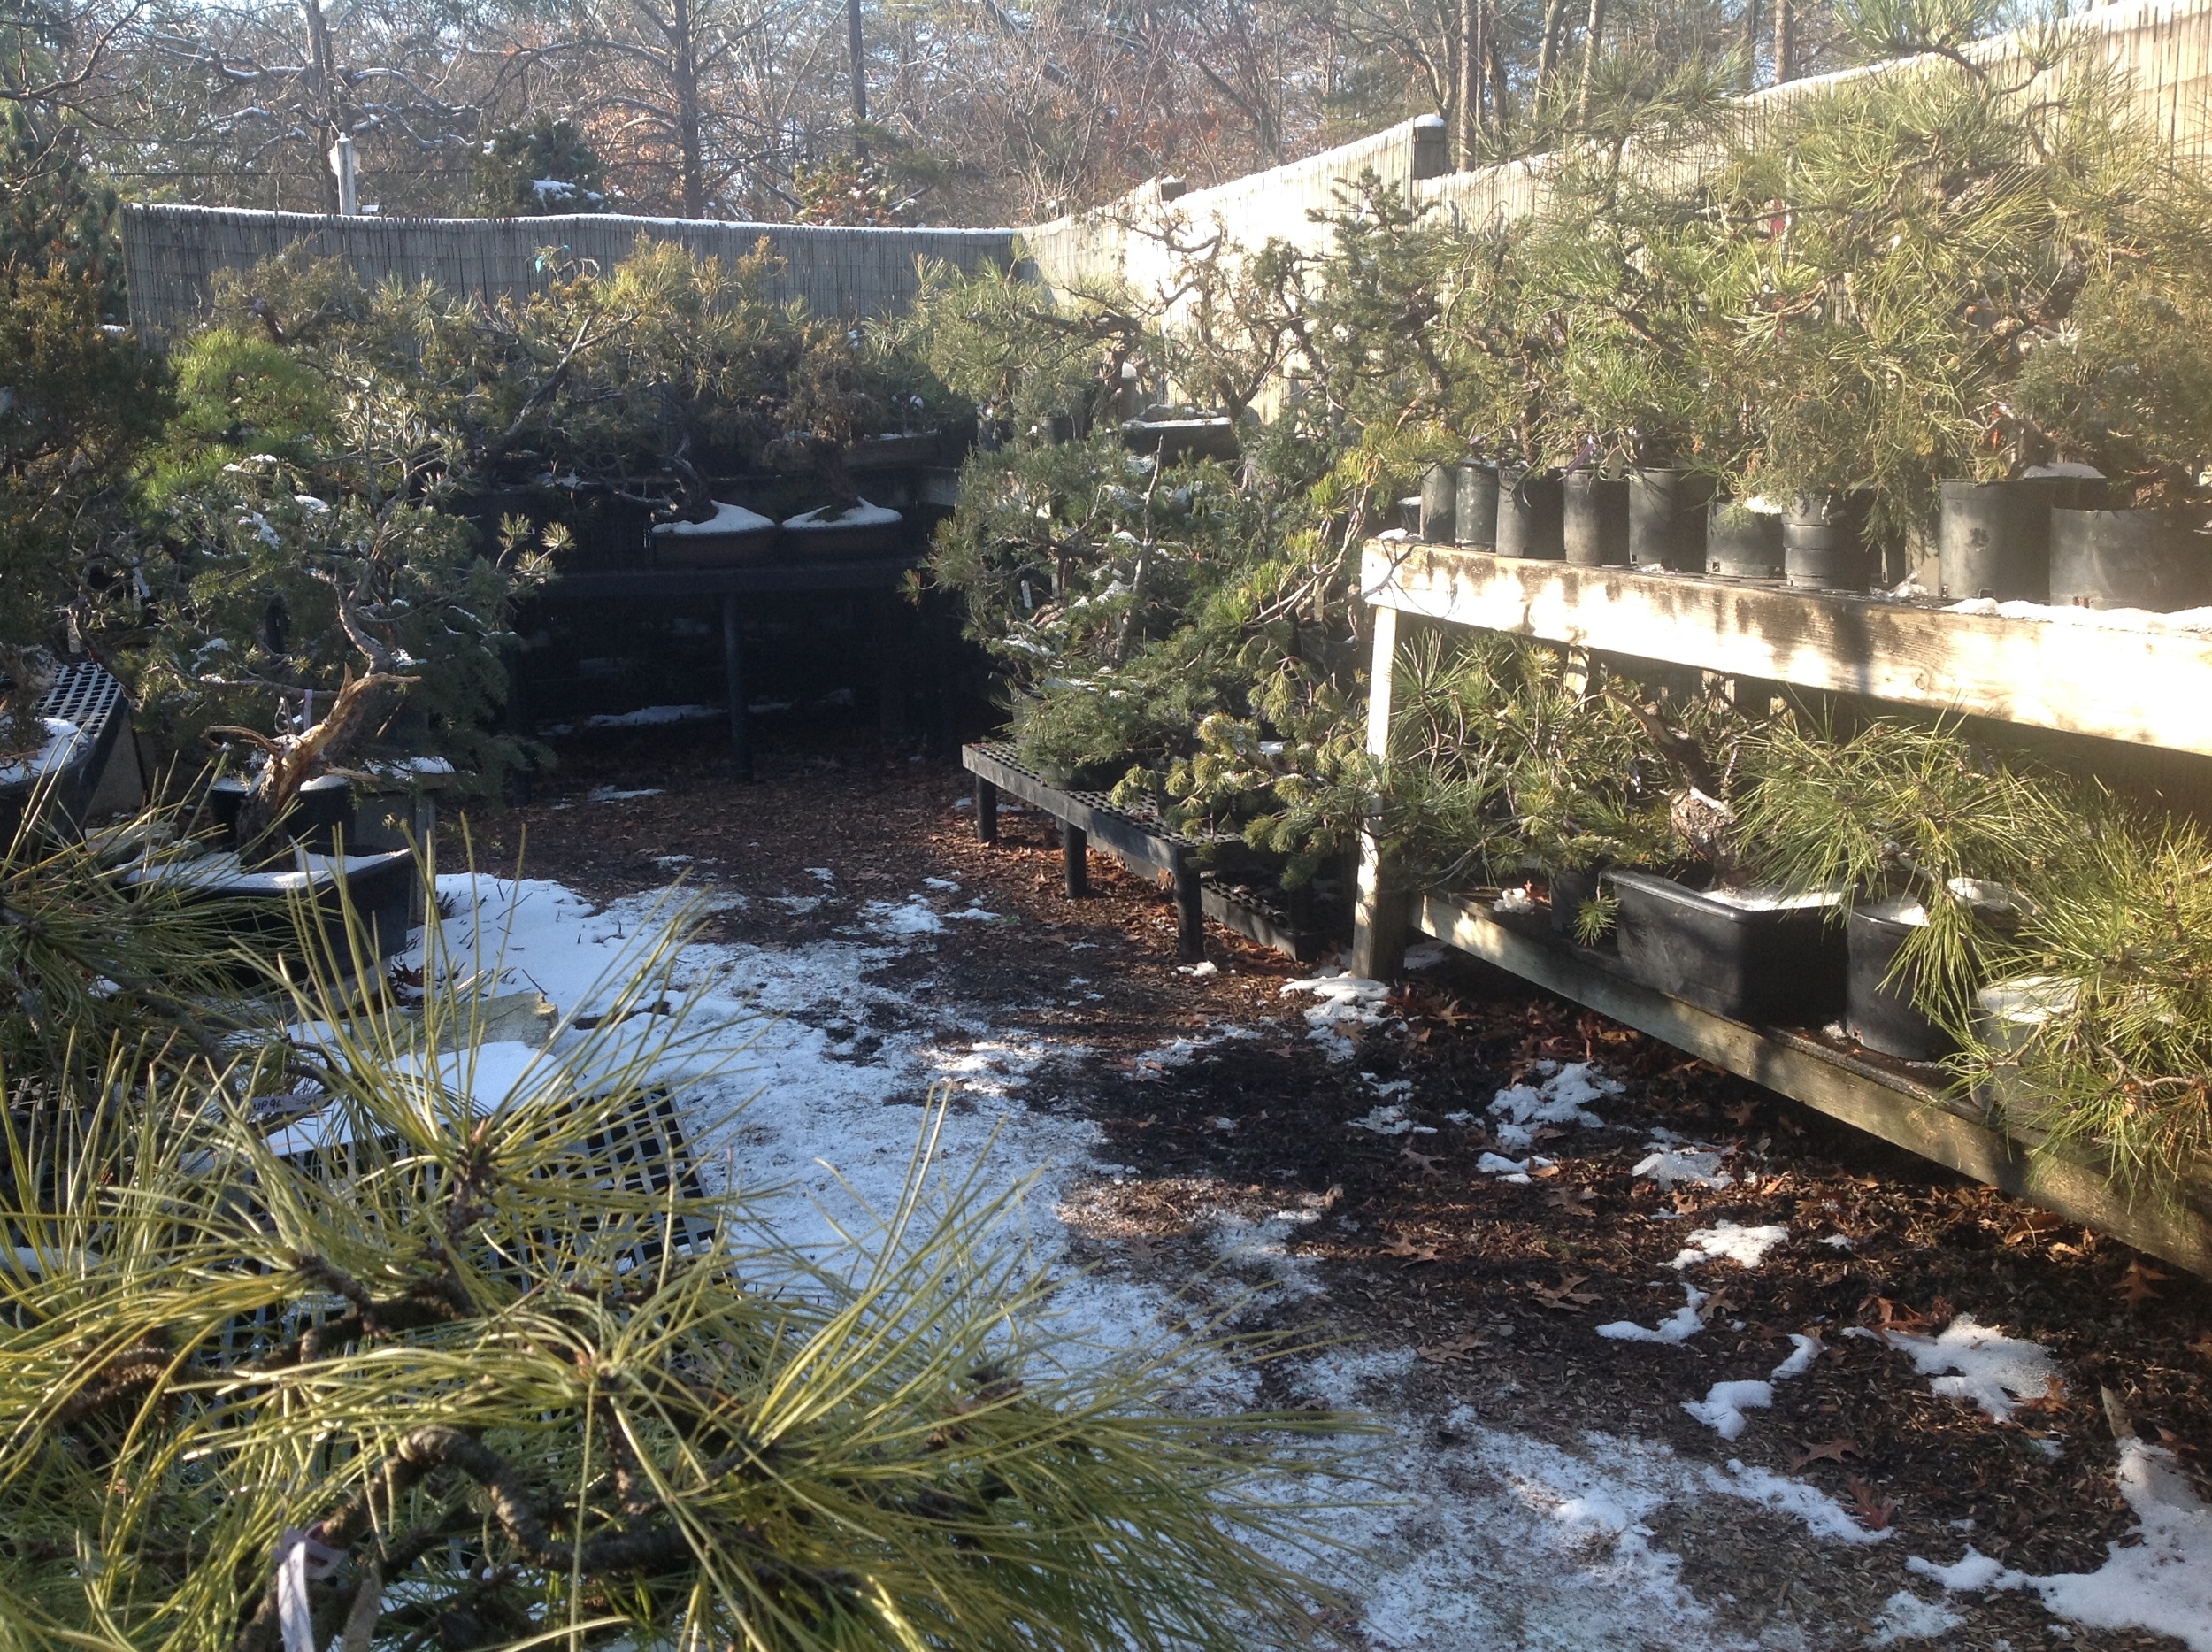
1147, 847
1879, 1096
2141, 688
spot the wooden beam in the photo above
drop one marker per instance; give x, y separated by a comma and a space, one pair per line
1863, 1093
2146, 690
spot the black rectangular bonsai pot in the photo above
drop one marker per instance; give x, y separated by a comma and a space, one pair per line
1749, 955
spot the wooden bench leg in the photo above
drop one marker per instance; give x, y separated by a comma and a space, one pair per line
1190, 911
1075, 848
986, 810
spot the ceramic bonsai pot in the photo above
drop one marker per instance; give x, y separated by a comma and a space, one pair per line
851, 533
1666, 518
2160, 560
1476, 522
1749, 955
1531, 515
731, 538
1593, 530
1742, 543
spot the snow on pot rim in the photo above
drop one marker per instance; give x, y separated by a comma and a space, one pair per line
727, 519
828, 516
56, 751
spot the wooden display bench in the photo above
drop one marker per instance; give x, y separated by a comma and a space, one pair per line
2146, 690
1141, 842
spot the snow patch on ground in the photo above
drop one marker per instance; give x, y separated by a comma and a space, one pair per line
1348, 1004
2163, 1584
1180, 1052
1722, 1408
1979, 1364
1668, 1165
1906, 1616
1563, 1097
1683, 1324
1730, 1242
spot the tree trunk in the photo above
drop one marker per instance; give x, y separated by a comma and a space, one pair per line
1547, 54
1749, 75
1469, 80
860, 76
321, 81
1500, 111
683, 62
1590, 59
1785, 41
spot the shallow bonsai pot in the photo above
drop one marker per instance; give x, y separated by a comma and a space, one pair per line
2160, 560
731, 538
1531, 521
1666, 518
257, 905
1440, 504
924, 448
1876, 1012
1742, 543
849, 534
1824, 543
1749, 955
1594, 519
1476, 522
1572, 888
1174, 440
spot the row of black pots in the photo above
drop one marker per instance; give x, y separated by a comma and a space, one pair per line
1653, 517
1755, 958
2050, 539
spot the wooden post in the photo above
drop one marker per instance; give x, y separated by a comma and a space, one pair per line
733, 682
1190, 909
1075, 848
1380, 912
985, 811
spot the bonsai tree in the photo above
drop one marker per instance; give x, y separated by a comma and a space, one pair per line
541, 166
2125, 383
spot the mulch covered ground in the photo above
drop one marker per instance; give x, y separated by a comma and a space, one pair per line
1496, 1286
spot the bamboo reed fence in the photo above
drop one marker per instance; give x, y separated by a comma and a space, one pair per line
171, 253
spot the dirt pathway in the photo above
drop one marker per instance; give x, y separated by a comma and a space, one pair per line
1668, 1360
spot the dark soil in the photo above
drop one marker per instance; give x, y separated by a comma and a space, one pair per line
1497, 1286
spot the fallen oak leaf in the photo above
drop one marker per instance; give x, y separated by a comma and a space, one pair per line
1445, 1353
1567, 1296
1872, 1510
1826, 1451
1401, 1246
1426, 1163
2138, 1285
1575, 1200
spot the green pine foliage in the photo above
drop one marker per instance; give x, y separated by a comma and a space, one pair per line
541, 166
514, 1393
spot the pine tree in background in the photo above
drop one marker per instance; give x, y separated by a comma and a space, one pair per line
541, 167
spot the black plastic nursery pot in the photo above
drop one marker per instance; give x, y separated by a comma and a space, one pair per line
1749, 956
1824, 543
1593, 523
320, 820
1742, 543
2160, 560
1666, 518
1993, 539
1476, 524
1531, 515
1877, 1012
1440, 504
